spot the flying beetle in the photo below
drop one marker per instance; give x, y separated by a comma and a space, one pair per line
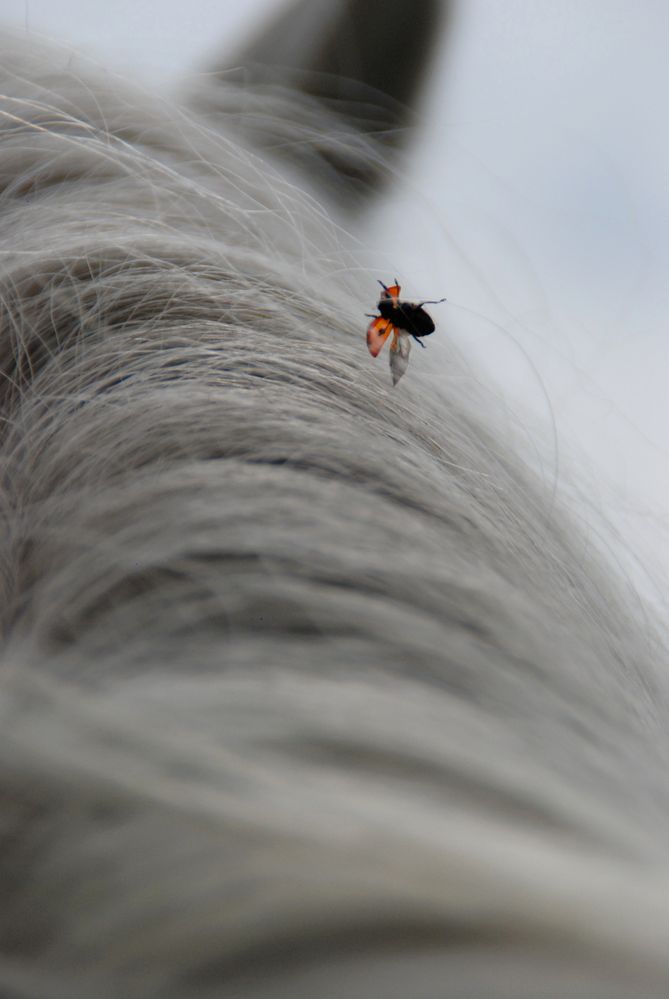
403, 320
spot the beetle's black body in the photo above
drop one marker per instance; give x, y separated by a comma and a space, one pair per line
410, 317
406, 316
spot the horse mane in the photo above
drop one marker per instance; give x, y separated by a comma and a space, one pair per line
309, 686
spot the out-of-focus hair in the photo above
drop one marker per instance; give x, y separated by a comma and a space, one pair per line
308, 688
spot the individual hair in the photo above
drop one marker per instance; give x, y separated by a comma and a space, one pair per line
310, 685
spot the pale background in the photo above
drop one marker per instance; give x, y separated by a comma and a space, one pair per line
539, 201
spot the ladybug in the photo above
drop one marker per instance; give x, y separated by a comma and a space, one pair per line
398, 317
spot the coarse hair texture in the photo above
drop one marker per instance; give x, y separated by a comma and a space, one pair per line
308, 687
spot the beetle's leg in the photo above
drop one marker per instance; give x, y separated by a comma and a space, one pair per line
432, 301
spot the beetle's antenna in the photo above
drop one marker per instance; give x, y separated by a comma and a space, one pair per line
419, 342
384, 286
435, 301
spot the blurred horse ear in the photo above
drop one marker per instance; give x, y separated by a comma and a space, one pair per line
381, 44
360, 65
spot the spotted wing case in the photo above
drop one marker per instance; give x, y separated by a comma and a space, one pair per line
378, 332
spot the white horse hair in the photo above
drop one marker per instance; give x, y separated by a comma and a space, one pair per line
308, 689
